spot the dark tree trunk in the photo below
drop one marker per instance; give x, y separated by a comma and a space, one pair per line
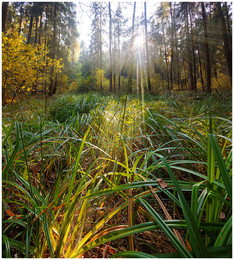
194, 55
172, 46
226, 46
189, 58
207, 51
147, 51
30, 28
110, 50
201, 74
52, 85
4, 25
131, 51
5, 6
228, 25
36, 29
165, 54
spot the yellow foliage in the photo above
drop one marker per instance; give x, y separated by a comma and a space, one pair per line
25, 65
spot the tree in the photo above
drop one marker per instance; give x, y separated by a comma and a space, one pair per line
97, 40
207, 51
4, 15
110, 49
131, 50
147, 51
24, 65
226, 45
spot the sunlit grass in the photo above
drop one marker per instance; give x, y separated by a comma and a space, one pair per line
88, 174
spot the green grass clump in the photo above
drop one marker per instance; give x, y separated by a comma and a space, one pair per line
71, 105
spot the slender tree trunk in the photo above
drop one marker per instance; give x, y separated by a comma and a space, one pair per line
40, 30
21, 19
36, 28
110, 49
189, 58
30, 28
172, 47
100, 45
52, 85
165, 53
228, 25
131, 50
176, 55
226, 46
4, 25
201, 74
5, 6
194, 55
119, 69
114, 65
207, 51
147, 51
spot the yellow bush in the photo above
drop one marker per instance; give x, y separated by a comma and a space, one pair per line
24, 65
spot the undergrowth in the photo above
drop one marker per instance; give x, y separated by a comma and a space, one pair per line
102, 176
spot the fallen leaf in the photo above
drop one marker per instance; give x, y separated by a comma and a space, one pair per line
222, 215
10, 213
188, 245
162, 183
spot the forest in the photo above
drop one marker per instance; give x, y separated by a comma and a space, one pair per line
116, 129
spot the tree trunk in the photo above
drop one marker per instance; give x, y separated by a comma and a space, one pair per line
40, 30
131, 50
119, 60
201, 74
207, 51
110, 50
189, 58
30, 27
21, 19
100, 45
194, 55
172, 46
165, 54
147, 51
36, 28
226, 46
52, 85
228, 25
5, 6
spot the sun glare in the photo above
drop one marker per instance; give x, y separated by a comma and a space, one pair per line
139, 40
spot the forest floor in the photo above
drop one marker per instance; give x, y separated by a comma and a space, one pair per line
97, 175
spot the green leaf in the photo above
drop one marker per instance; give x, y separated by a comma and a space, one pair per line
132, 254
225, 236
5, 171
5, 242
222, 166
168, 232
196, 239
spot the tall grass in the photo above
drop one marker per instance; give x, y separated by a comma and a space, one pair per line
98, 169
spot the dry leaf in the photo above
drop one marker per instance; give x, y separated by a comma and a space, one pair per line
189, 248
10, 213
222, 215
162, 183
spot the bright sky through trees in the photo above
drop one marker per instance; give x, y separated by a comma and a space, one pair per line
84, 17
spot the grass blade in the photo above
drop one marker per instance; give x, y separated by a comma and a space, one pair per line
196, 239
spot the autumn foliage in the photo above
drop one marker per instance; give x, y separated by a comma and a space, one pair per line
25, 66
